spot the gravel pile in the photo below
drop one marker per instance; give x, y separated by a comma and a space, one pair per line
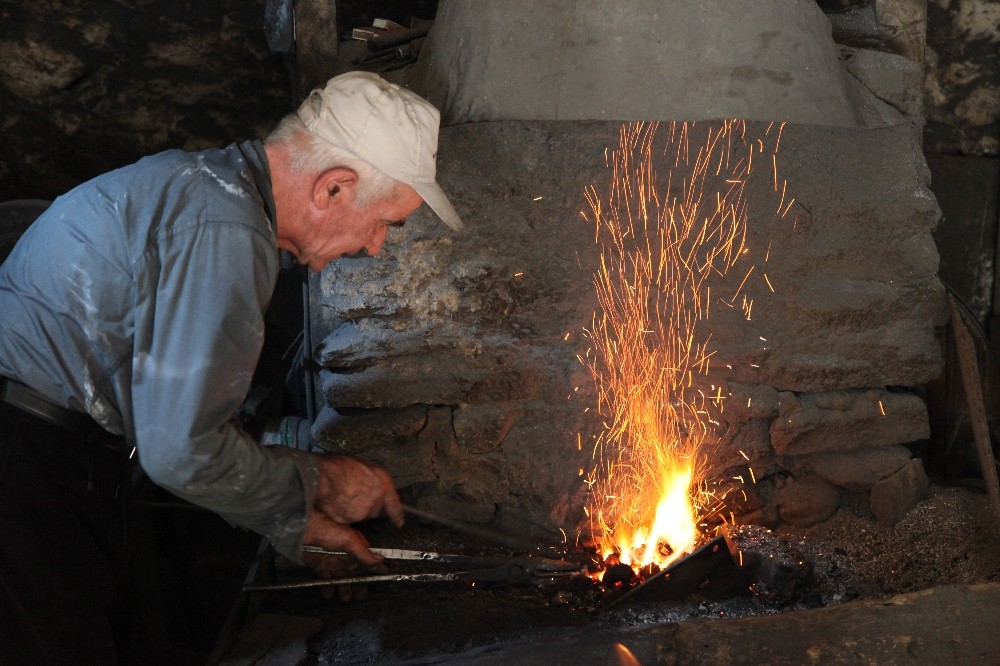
952, 537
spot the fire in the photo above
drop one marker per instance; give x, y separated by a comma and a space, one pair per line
666, 234
673, 526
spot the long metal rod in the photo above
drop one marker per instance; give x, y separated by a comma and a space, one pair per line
416, 556
359, 580
472, 530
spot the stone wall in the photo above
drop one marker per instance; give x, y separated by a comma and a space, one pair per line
963, 77
453, 359
955, 41
86, 87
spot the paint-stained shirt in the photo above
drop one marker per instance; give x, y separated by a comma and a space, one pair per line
138, 297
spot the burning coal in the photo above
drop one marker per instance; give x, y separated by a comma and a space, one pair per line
671, 224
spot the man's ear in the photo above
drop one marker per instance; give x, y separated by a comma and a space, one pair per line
337, 184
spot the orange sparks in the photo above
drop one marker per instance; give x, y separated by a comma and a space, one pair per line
664, 234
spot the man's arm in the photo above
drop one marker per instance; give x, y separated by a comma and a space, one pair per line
196, 346
193, 363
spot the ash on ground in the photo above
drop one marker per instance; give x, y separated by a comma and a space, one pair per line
952, 537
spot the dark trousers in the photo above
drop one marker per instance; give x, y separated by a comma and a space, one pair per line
62, 544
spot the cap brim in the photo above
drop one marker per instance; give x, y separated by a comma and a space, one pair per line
434, 196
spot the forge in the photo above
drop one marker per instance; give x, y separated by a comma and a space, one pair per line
697, 307
465, 363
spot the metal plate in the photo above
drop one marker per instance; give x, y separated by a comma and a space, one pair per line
709, 570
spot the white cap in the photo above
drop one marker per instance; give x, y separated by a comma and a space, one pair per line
392, 128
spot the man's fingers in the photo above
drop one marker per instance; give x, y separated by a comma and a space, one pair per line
334, 536
393, 506
394, 510
356, 546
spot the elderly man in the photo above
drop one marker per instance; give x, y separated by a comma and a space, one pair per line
132, 320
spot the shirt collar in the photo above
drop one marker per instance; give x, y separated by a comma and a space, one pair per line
256, 157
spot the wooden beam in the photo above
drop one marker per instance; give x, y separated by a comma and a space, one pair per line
973, 386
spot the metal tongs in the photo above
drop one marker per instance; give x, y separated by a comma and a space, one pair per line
473, 568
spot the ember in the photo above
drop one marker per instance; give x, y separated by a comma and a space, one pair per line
666, 235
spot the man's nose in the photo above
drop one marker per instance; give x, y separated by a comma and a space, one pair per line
377, 240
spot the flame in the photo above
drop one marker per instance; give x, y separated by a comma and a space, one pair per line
673, 527
665, 235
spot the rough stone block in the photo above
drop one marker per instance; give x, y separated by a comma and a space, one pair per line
482, 428
892, 78
893, 497
807, 500
742, 446
750, 402
442, 378
896, 26
839, 421
359, 429
857, 471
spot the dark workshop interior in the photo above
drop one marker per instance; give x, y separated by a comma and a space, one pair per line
842, 399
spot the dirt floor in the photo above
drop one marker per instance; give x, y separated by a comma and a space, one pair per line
950, 538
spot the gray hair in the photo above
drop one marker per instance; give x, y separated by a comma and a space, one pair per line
312, 154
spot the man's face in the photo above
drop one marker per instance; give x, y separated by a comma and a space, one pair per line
344, 229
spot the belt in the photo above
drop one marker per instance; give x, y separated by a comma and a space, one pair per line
28, 400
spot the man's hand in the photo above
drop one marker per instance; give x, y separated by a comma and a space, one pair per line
327, 534
330, 535
350, 491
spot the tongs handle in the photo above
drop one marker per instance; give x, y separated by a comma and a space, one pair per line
489, 569
499, 570
417, 556
357, 580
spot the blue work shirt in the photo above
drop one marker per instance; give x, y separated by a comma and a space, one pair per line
138, 297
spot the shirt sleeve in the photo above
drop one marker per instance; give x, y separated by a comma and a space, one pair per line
197, 342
